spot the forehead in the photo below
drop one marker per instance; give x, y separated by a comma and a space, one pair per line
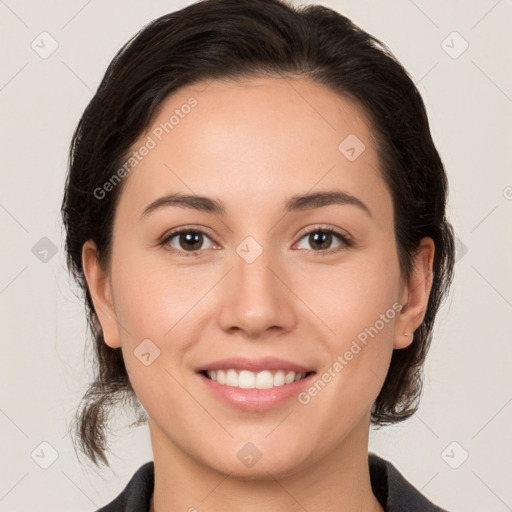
257, 139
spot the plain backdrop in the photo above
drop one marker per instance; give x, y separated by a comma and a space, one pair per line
457, 449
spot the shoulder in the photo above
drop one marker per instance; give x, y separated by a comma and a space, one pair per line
394, 492
136, 496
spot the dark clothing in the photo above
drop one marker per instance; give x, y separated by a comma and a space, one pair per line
392, 490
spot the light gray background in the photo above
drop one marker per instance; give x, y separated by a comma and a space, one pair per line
45, 366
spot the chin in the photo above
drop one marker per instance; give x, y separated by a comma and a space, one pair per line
262, 470
258, 461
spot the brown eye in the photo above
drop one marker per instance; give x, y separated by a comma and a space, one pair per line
186, 240
321, 240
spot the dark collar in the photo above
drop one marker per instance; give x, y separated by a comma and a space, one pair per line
392, 490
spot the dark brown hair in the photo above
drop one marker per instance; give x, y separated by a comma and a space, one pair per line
216, 39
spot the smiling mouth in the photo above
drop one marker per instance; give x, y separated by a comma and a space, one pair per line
245, 379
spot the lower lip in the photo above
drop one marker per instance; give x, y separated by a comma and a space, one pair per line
256, 399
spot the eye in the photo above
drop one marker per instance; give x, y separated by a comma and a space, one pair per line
189, 242
322, 238
186, 240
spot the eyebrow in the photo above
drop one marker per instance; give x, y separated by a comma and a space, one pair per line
294, 203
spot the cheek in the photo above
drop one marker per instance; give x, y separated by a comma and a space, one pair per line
351, 296
359, 308
357, 305
160, 302
153, 302
152, 296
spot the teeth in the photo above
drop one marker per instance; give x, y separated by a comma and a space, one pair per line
246, 379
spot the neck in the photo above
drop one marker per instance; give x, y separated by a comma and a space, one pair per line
339, 480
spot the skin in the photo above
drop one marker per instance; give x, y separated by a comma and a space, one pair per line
252, 144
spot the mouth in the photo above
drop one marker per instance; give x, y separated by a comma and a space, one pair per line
247, 379
254, 384
254, 391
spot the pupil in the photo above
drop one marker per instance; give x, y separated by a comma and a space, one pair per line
325, 236
187, 240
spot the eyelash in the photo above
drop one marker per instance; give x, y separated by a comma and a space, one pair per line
345, 241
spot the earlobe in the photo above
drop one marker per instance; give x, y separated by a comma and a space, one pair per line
415, 295
101, 293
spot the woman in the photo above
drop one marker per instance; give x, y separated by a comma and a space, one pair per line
255, 210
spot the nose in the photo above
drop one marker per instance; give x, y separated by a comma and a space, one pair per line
257, 297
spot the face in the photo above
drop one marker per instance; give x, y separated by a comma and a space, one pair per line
314, 283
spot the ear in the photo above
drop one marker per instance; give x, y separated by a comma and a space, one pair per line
101, 293
415, 294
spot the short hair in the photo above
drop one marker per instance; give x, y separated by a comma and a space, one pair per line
232, 39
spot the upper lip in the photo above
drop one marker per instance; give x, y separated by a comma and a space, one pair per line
254, 365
